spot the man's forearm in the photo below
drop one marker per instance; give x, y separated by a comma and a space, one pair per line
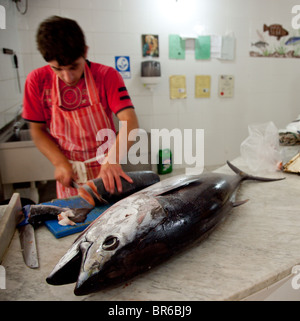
46, 145
43, 140
120, 148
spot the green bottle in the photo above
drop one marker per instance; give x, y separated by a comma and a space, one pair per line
164, 165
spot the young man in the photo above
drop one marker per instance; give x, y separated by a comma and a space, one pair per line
68, 101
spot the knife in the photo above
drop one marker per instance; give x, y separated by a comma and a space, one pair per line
87, 188
15, 58
17, 66
27, 240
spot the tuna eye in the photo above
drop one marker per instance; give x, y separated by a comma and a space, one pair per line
110, 243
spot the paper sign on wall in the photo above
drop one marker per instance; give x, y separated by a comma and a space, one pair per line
226, 86
228, 47
176, 47
177, 87
202, 86
202, 47
216, 46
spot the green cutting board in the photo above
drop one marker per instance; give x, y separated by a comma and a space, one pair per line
73, 202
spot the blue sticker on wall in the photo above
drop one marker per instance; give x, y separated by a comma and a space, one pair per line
123, 66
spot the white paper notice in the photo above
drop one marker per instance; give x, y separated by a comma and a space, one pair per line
216, 46
226, 86
228, 47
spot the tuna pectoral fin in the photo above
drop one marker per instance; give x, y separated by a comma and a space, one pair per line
235, 204
246, 176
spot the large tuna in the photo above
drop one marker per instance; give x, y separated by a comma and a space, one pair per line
147, 228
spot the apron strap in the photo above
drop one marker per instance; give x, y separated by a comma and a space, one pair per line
91, 85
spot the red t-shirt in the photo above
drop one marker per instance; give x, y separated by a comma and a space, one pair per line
37, 102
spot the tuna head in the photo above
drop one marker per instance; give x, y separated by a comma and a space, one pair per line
116, 247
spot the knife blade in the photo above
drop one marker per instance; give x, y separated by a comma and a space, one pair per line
88, 189
27, 240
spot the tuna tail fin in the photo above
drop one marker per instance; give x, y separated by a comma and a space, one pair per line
246, 176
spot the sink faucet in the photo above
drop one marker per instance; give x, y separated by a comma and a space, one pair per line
17, 128
17, 124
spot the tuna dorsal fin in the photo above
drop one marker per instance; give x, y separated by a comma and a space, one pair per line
185, 181
235, 204
246, 176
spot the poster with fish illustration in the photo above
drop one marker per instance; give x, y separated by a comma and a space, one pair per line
275, 41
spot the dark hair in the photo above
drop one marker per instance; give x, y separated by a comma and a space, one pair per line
60, 39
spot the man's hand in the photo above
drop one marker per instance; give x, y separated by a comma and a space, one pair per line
111, 170
64, 174
111, 176
45, 143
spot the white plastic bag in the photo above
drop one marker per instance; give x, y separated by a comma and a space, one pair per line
260, 150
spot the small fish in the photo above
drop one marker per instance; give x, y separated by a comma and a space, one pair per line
293, 41
260, 44
276, 30
148, 227
38, 214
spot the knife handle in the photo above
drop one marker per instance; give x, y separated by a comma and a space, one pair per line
16, 61
26, 211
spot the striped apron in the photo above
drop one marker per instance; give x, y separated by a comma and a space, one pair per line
75, 130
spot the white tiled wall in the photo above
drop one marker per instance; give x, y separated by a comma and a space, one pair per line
10, 97
265, 88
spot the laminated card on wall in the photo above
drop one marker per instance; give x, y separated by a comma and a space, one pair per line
150, 45
123, 66
226, 86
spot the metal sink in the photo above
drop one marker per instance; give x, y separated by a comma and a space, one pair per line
19, 131
23, 135
21, 161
